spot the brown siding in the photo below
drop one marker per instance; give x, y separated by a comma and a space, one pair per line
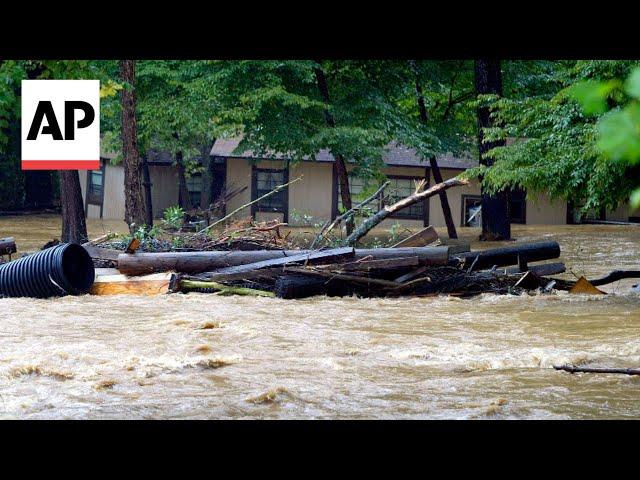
164, 188
543, 211
113, 207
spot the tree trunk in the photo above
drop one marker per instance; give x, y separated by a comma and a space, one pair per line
341, 166
134, 213
496, 224
433, 163
146, 183
374, 220
74, 227
199, 262
184, 201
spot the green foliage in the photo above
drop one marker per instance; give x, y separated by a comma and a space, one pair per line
173, 217
563, 149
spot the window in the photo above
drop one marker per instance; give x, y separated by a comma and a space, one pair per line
471, 211
264, 181
357, 189
194, 186
402, 187
518, 206
95, 186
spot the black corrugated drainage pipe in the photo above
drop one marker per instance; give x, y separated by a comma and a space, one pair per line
66, 269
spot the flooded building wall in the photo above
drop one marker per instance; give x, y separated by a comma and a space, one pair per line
310, 200
543, 211
164, 188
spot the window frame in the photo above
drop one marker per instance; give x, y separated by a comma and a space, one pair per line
285, 192
463, 201
198, 200
92, 198
425, 206
523, 219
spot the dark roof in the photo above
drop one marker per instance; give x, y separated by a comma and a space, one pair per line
156, 157
395, 155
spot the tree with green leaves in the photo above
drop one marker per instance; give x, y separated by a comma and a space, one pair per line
558, 147
496, 223
11, 73
134, 206
298, 108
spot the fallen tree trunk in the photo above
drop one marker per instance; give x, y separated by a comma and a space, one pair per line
374, 220
326, 255
326, 229
198, 262
502, 257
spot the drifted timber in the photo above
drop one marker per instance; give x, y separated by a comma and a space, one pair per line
199, 262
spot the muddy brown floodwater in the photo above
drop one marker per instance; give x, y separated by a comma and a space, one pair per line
203, 356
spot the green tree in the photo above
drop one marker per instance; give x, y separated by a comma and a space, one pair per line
556, 146
298, 108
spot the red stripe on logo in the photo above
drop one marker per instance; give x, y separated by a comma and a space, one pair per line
60, 164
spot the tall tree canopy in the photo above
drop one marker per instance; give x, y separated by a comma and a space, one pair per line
554, 146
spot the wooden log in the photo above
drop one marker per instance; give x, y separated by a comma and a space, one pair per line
323, 255
264, 273
302, 286
367, 265
7, 246
572, 369
190, 285
542, 270
502, 257
375, 219
340, 276
422, 238
327, 227
198, 262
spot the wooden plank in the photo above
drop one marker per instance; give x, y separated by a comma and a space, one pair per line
366, 265
422, 238
132, 246
323, 255
118, 284
542, 270
411, 275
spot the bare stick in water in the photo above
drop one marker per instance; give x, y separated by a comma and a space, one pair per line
275, 190
572, 369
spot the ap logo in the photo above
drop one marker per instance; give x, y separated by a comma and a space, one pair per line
60, 124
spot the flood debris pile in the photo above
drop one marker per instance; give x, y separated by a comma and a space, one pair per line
249, 258
381, 272
377, 272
